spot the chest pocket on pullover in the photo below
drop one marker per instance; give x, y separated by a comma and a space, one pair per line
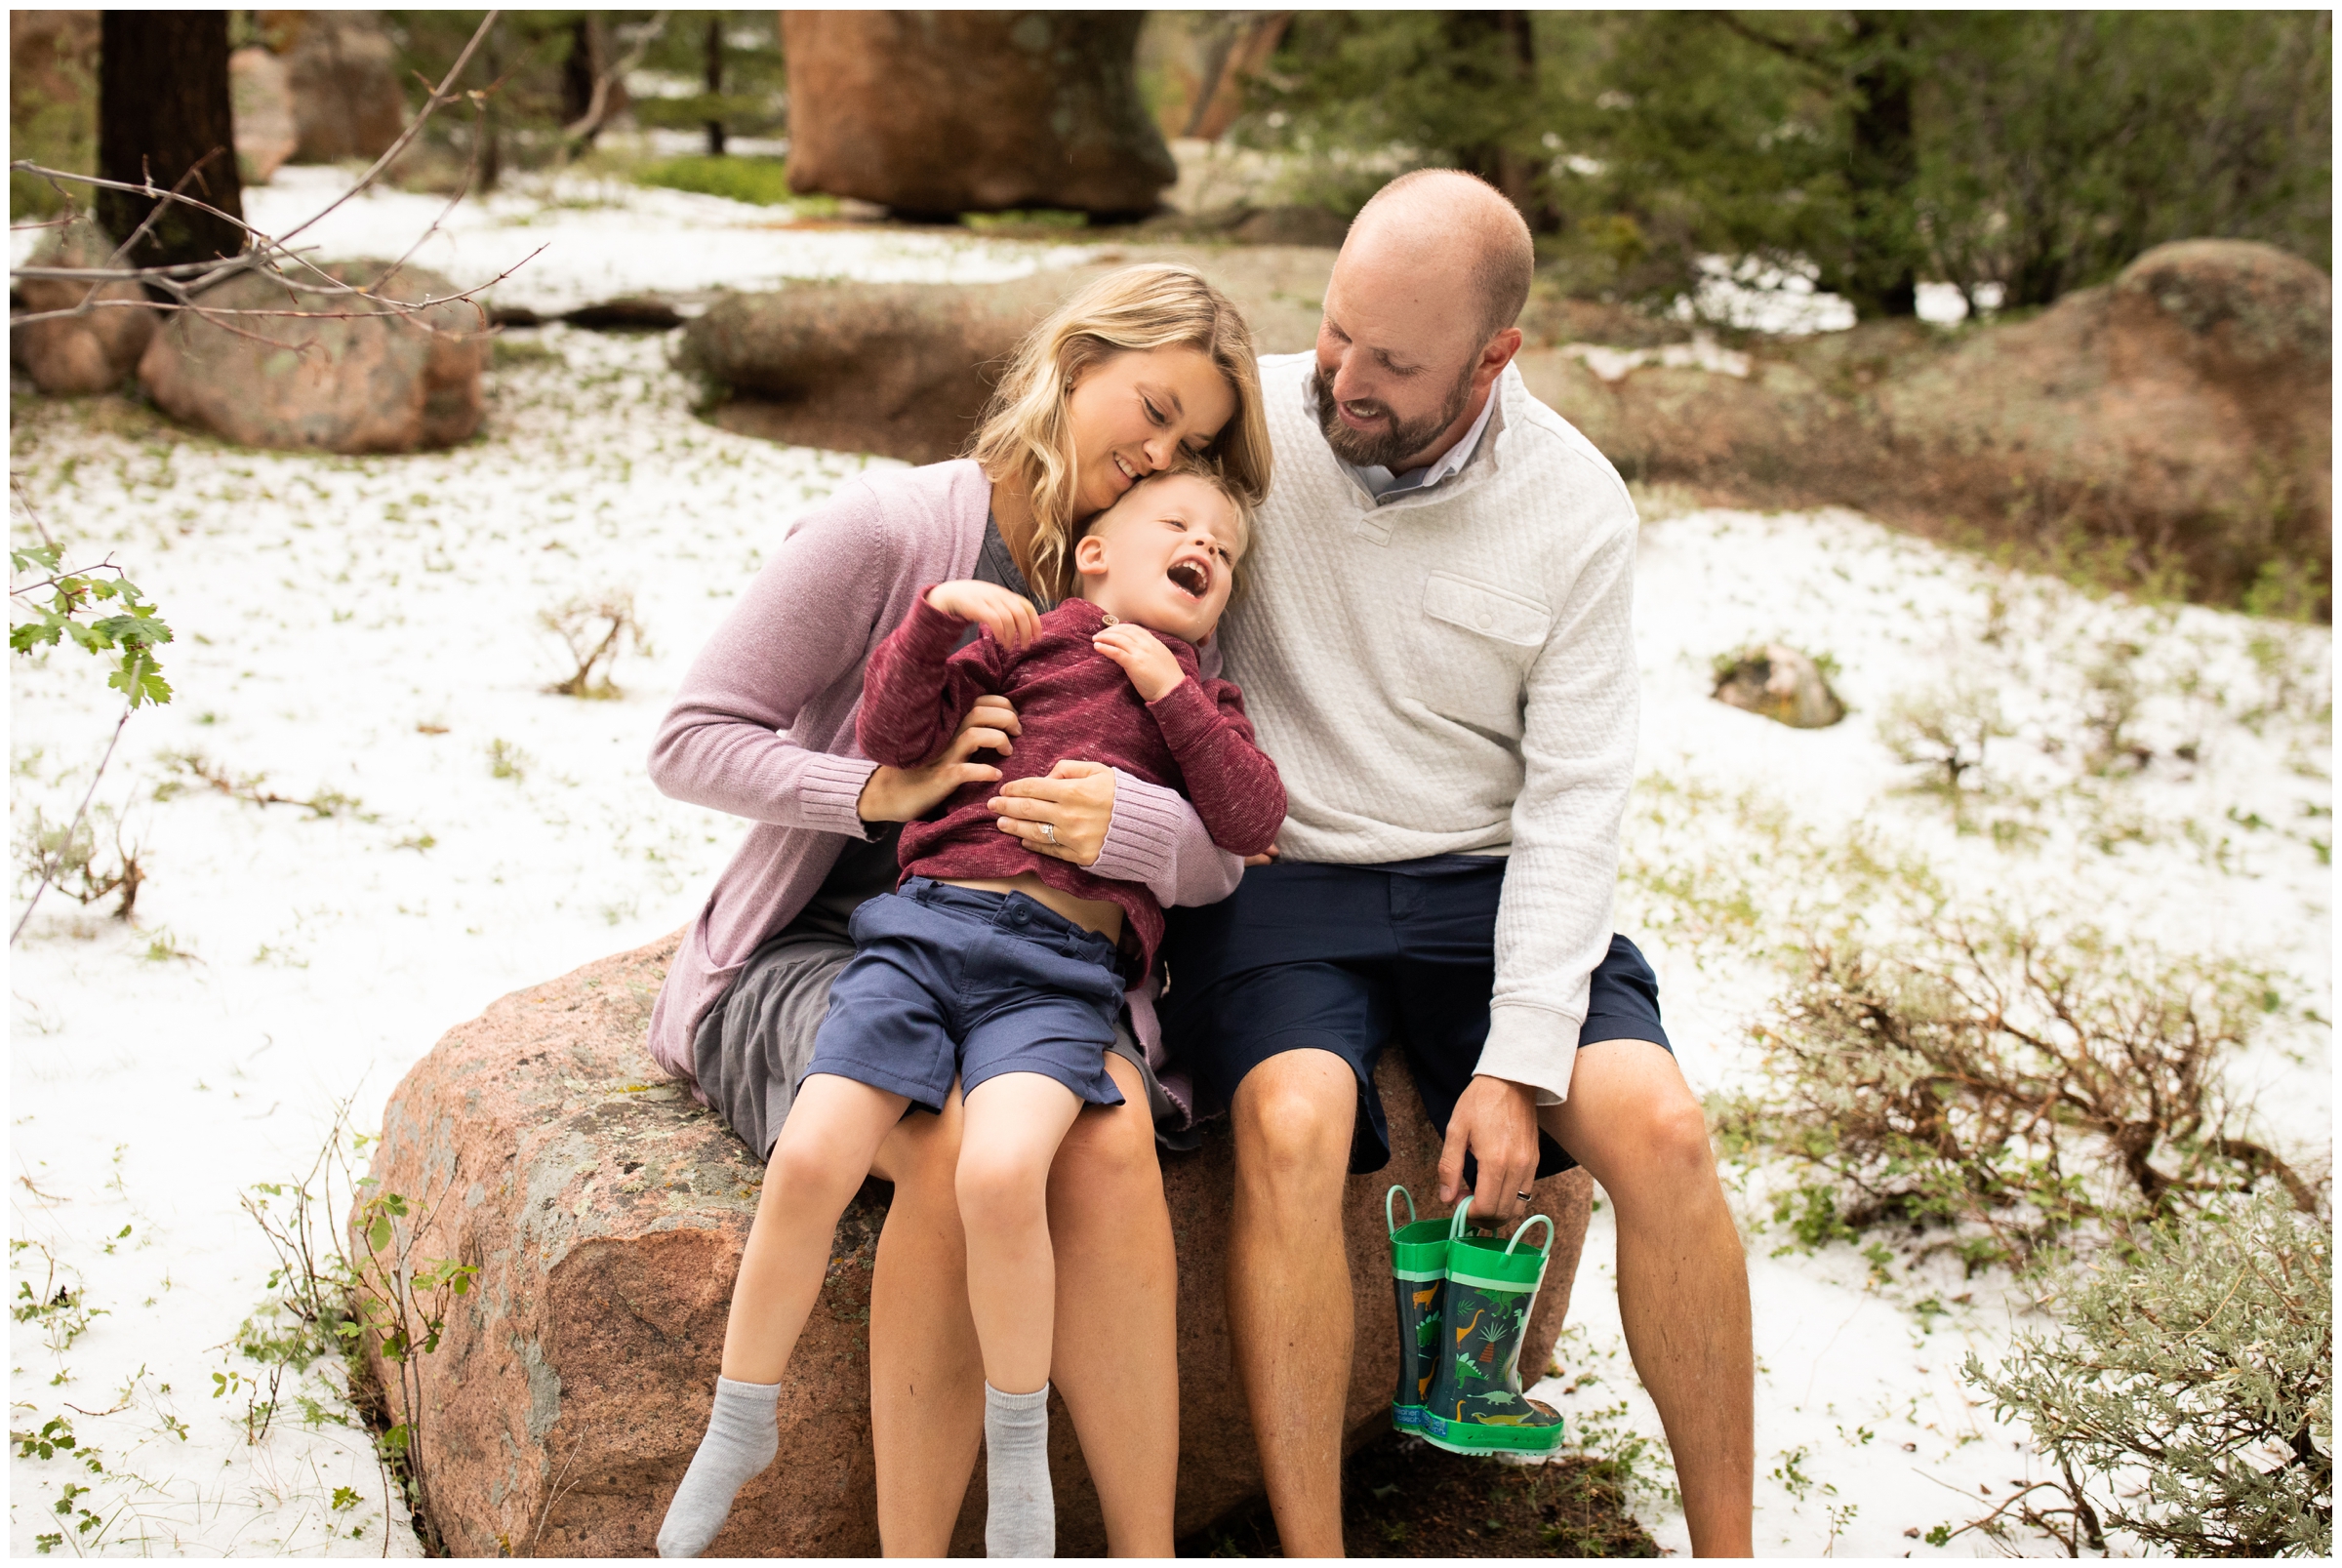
1475, 644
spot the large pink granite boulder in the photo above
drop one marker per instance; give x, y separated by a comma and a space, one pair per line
606, 1211
346, 375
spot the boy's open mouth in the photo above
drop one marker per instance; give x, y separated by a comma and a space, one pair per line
1190, 578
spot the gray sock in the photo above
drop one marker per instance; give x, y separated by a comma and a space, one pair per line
1021, 1515
740, 1442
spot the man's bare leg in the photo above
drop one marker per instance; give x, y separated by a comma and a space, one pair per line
1117, 1358
1683, 1275
1288, 1285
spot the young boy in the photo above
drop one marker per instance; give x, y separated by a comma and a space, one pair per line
995, 965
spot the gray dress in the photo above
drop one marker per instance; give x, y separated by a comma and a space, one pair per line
752, 1047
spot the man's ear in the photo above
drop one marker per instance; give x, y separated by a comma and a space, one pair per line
1495, 356
1089, 555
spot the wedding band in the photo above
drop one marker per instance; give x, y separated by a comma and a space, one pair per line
1523, 1196
1049, 831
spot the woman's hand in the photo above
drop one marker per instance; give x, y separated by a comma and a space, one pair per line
1076, 802
1008, 616
1144, 659
902, 794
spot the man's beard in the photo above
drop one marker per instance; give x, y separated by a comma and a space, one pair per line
1392, 440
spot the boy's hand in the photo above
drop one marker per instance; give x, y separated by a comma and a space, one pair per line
1145, 659
1007, 616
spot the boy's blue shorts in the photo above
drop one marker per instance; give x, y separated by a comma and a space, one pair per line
1348, 958
952, 981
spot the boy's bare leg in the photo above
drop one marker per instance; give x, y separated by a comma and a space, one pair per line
926, 1376
817, 1166
817, 1163
1115, 1360
1683, 1275
1013, 1126
1288, 1285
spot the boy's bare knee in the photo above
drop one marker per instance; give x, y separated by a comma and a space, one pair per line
809, 1165
999, 1187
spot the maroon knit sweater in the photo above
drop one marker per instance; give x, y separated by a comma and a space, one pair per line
1071, 700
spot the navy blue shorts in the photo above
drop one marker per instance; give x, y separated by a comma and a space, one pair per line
1347, 958
949, 982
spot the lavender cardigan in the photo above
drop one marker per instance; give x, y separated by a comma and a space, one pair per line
763, 728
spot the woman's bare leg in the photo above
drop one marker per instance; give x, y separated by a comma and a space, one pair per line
926, 1377
1117, 1296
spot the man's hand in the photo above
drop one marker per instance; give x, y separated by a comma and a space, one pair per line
1144, 659
1008, 616
1496, 1121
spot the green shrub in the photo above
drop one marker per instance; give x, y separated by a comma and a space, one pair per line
759, 181
2189, 1399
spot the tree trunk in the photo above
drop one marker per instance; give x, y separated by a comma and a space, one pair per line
580, 70
715, 80
1884, 162
1501, 67
162, 111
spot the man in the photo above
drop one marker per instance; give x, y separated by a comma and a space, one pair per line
1436, 648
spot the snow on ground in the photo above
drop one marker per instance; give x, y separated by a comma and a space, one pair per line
585, 238
369, 627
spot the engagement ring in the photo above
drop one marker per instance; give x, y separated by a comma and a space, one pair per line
1049, 831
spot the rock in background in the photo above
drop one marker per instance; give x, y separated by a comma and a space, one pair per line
941, 112
82, 354
261, 91
606, 1213
904, 369
373, 380
344, 72
2183, 411
1781, 684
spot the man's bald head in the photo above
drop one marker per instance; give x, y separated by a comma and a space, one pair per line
1449, 217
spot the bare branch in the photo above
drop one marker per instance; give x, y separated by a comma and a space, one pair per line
439, 94
598, 105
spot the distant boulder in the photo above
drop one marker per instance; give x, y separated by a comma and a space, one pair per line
76, 355
1780, 683
344, 70
354, 377
940, 112
2183, 411
261, 89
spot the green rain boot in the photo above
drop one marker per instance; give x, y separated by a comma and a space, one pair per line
1419, 1270
1475, 1405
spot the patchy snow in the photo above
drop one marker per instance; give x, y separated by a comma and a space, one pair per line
369, 627
586, 239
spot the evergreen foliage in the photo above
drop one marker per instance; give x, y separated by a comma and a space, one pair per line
2034, 152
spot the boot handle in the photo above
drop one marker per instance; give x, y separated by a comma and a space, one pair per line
1389, 1218
1522, 1229
1455, 1220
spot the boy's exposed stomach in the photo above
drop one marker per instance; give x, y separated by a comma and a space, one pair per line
1091, 915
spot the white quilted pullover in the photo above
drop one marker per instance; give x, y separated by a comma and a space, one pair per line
1452, 672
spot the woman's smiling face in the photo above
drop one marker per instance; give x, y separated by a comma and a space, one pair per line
1130, 413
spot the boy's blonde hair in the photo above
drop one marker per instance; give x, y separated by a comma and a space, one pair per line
1026, 433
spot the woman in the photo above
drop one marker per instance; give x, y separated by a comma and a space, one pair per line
1141, 363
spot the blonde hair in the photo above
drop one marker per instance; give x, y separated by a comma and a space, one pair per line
1026, 433
1215, 476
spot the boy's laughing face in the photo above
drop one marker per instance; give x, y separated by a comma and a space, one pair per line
1164, 556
